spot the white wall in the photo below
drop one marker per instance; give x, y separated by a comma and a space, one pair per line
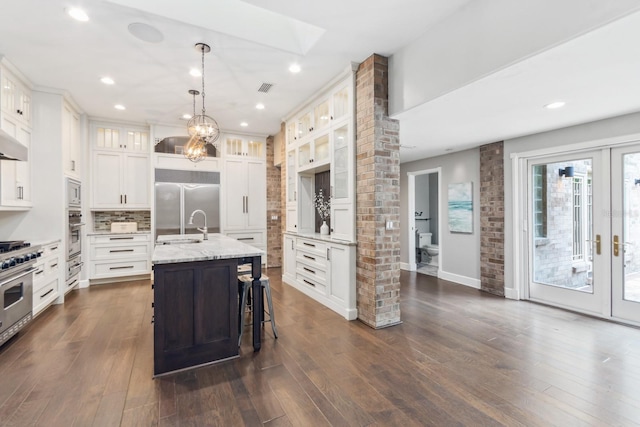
422, 202
603, 132
460, 253
465, 47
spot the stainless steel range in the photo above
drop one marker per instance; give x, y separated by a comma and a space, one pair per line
16, 286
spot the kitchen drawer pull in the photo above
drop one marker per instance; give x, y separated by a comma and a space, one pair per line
309, 257
46, 293
55, 248
75, 282
245, 238
121, 250
308, 283
309, 270
39, 272
309, 244
54, 265
121, 238
121, 268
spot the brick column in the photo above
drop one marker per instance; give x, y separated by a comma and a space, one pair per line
492, 218
274, 230
377, 198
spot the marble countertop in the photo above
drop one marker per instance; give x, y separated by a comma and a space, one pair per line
322, 238
218, 246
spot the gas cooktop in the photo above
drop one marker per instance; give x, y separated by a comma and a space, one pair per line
13, 245
15, 253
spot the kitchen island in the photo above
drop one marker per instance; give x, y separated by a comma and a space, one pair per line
196, 299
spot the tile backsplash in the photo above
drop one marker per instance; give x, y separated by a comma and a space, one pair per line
102, 219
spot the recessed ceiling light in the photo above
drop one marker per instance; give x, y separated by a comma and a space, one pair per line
260, 106
78, 14
119, 107
186, 116
145, 32
554, 105
195, 72
244, 124
294, 68
107, 80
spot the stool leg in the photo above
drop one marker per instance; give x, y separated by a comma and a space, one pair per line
272, 318
242, 308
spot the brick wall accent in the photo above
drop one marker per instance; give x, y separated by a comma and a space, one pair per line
274, 226
377, 198
492, 218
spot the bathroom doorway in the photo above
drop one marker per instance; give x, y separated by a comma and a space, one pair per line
425, 255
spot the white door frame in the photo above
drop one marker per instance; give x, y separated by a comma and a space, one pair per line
411, 199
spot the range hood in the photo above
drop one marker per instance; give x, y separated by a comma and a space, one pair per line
11, 148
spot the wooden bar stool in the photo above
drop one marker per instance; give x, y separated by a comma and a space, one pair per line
244, 285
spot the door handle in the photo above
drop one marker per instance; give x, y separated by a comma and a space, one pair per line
616, 245
598, 243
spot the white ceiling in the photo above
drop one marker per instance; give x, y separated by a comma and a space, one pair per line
255, 41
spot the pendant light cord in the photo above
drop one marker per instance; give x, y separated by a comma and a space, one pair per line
203, 110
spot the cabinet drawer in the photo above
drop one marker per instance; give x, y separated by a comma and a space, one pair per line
45, 296
311, 259
314, 273
122, 268
312, 246
51, 249
119, 239
250, 238
137, 250
311, 284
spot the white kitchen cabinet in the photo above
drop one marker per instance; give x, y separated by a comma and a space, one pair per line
314, 153
241, 146
245, 192
15, 188
119, 255
116, 137
323, 269
15, 98
46, 277
120, 181
71, 145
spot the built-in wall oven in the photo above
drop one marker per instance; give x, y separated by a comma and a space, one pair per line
17, 260
74, 232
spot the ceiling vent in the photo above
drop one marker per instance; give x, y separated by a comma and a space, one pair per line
266, 87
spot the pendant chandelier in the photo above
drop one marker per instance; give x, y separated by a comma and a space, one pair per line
205, 127
195, 149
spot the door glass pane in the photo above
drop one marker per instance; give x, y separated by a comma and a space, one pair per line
631, 227
562, 224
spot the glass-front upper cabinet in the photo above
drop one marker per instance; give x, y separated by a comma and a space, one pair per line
238, 146
108, 138
341, 103
304, 125
291, 133
314, 153
341, 162
321, 115
291, 176
119, 138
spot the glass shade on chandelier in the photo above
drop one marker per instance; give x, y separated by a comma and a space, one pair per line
195, 149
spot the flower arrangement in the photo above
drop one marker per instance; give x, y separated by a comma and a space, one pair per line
322, 206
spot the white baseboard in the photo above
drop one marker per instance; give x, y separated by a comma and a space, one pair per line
406, 266
84, 283
462, 280
511, 293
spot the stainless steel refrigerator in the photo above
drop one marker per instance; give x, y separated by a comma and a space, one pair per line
178, 193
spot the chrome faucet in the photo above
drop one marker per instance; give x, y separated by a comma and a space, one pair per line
204, 229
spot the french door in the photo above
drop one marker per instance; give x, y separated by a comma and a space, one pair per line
584, 232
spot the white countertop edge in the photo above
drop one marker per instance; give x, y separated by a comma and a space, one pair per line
217, 247
321, 238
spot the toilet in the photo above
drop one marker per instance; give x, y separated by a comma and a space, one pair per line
428, 251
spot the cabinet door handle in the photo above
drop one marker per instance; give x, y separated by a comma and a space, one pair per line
54, 265
121, 238
121, 268
328, 255
125, 199
120, 250
309, 244
308, 283
307, 256
309, 270
292, 245
73, 165
121, 199
39, 272
247, 203
244, 238
54, 248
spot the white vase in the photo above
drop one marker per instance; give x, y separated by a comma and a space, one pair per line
324, 228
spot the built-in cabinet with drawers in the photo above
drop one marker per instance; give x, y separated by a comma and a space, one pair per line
15, 123
245, 190
46, 276
323, 269
118, 255
320, 139
120, 167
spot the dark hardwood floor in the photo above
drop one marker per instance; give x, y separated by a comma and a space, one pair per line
461, 357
